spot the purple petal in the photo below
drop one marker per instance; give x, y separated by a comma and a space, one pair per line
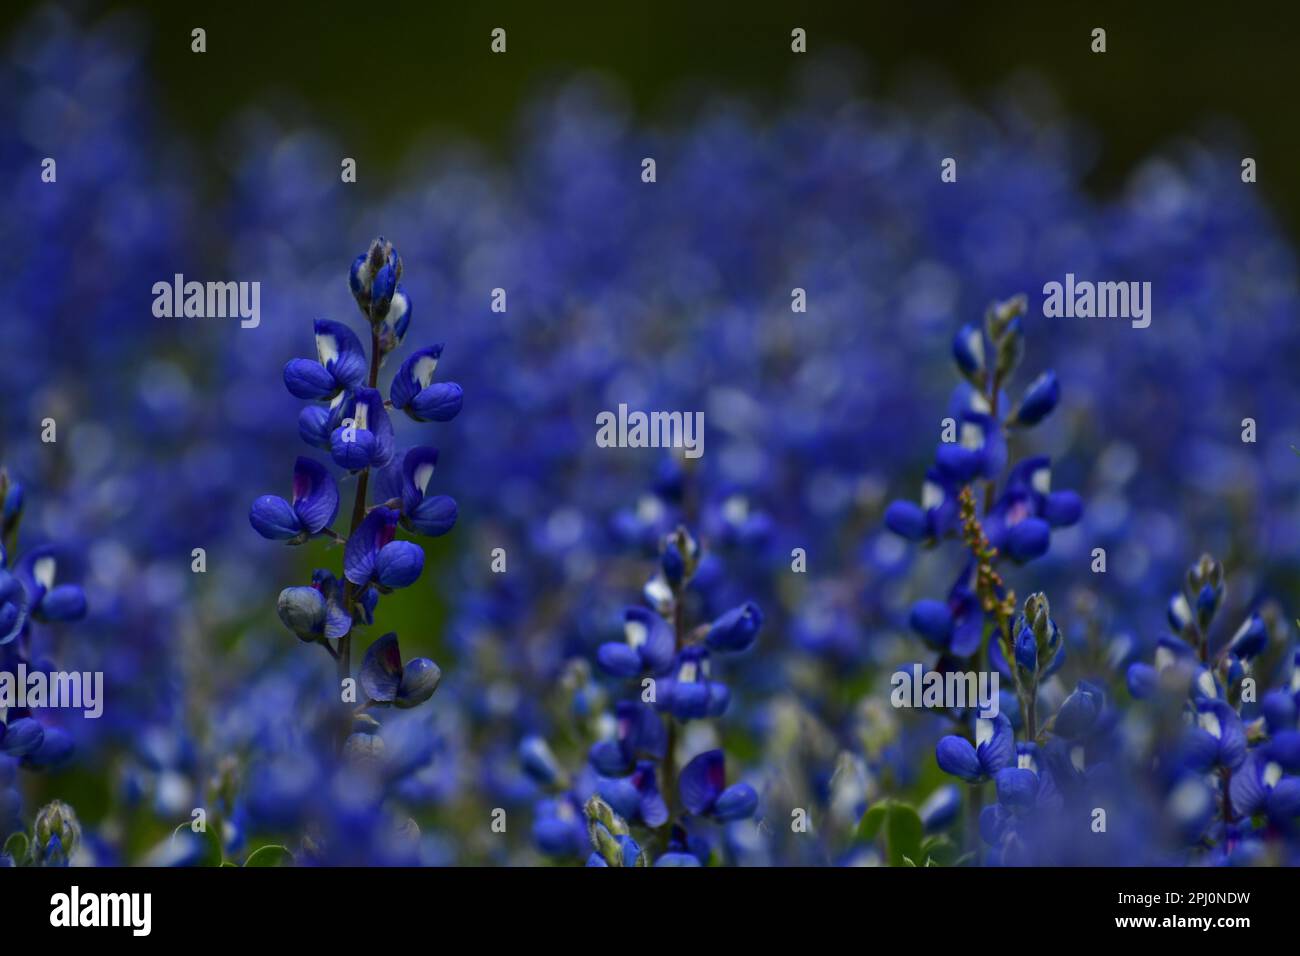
273, 517
308, 380
399, 563
957, 756
381, 669
701, 782
315, 494
340, 352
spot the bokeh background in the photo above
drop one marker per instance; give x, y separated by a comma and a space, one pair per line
522, 171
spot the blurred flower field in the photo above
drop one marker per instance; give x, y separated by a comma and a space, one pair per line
565, 654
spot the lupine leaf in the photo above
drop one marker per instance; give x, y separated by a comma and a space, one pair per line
17, 847
270, 855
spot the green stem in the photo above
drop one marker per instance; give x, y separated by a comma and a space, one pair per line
350, 594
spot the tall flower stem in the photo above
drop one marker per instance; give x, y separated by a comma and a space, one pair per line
358, 515
670, 752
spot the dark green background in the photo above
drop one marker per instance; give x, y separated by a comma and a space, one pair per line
382, 73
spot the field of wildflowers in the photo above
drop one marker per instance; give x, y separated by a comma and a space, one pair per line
642, 658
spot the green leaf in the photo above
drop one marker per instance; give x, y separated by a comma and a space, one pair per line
901, 827
940, 850
270, 855
872, 820
903, 833
17, 846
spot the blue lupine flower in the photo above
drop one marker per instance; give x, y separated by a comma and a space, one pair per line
559, 827
934, 518
1080, 711
386, 680
703, 789
423, 513
993, 750
647, 645
636, 797
415, 392
979, 452
1251, 639
955, 626
315, 611
54, 750
316, 423
371, 556
1027, 650
340, 364
539, 761
364, 436
21, 737
314, 508
1261, 786
1218, 739
638, 732
1022, 519
969, 348
13, 606
303, 611
373, 278
1280, 711
47, 601
1040, 399
736, 630
689, 692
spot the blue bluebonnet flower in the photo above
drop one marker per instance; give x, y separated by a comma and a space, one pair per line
1218, 739
373, 557
647, 645
689, 691
403, 484
539, 761
386, 680
315, 611
935, 517
1041, 397
47, 601
1268, 785
340, 364
956, 625
415, 392
1080, 712
313, 509
560, 827
636, 797
341, 791
736, 630
364, 435
994, 749
375, 279
638, 732
704, 791
21, 736
13, 605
